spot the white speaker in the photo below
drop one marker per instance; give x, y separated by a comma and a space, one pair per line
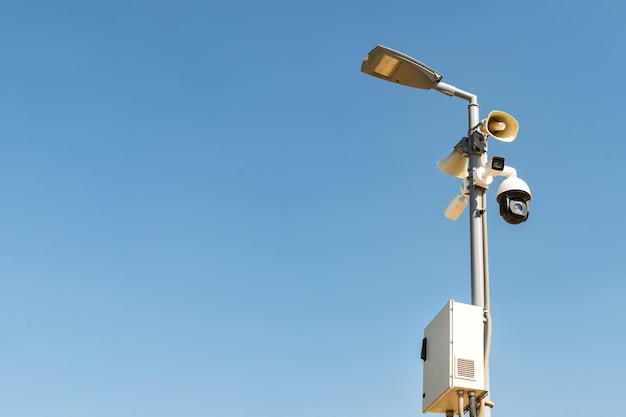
454, 164
500, 125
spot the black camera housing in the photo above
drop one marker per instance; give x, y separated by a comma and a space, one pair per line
514, 206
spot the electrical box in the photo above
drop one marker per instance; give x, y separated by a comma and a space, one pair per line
453, 354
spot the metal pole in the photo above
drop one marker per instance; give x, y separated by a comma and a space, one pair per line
476, 198
478, 227
478, 222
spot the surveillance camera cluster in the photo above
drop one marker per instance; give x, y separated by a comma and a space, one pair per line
513, 194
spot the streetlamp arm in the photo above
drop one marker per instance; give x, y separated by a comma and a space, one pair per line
452, 91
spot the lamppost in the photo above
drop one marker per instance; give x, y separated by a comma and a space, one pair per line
468, 161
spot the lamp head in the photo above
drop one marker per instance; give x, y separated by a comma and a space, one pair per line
397, 67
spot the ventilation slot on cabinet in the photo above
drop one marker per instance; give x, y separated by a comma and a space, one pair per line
465, 368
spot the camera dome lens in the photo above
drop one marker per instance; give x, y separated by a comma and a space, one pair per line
518, 208
513, 208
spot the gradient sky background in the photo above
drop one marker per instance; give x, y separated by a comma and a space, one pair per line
208, 210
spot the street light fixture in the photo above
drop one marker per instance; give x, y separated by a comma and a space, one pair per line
394, 66
468, 161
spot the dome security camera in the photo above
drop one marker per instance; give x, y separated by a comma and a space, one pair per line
514, 197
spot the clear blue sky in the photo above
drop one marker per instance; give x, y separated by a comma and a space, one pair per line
209, 211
